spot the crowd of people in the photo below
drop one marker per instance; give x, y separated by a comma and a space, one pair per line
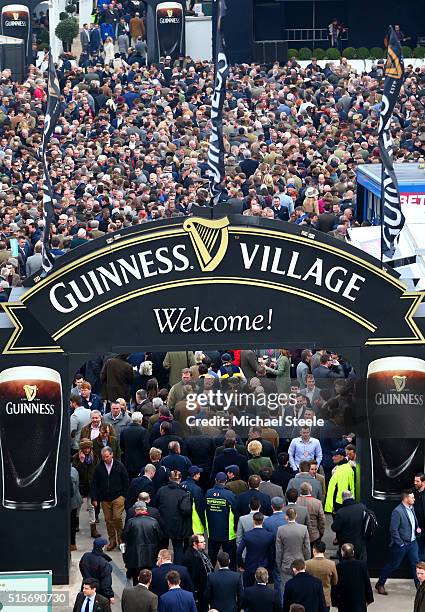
207, 516
131, 142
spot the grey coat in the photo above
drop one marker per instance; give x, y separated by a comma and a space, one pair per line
292, 542
270, 489
302, 514
245, 524
296, 482
138, 599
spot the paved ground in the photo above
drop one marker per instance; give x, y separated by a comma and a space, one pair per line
400, 598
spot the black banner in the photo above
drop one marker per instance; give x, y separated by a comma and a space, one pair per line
216, 144
50, 121
392, 219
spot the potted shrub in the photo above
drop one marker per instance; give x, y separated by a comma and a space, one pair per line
407, 51
305, 53
362, 53
66, 31
419, 52
377, 53
319, 54
333, 54
293, 53
349, 53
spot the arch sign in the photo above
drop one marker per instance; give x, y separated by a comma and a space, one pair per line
233, 281
237, 280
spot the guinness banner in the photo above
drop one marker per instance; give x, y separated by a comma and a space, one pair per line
201, 282
169, 29
15, 21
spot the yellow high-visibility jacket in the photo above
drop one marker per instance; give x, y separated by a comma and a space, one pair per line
342, 480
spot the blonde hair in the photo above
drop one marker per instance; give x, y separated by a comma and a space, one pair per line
255, 448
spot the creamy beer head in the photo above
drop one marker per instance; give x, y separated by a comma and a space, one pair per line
396, 397
169, 28
30, 430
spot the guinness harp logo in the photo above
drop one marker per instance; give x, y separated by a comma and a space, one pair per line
15, 16
393, 67
30, 392
170, 12
399, 383
209, 239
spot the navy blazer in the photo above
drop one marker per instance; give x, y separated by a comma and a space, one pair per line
159, 585
242, 502
259, 544
305, 590
177, 600
401, 527
224, 590
260, 598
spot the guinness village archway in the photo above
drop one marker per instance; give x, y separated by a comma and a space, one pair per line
232, 281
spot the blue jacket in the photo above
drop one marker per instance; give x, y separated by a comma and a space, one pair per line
259, 545
224, 590
401, 527
220, 513
273, 522
244, 498
305, 590
177, 600
159, 584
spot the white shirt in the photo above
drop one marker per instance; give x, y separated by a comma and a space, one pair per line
91, 599
109, 466
94, 433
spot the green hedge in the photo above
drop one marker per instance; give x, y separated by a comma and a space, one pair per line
363, 53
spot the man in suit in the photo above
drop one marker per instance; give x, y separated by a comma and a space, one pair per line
403, 529
348, 525
302, 512
259, 597
230, 456
315, 513
142, 483
89, 597
245, 522
139, 598
353, 591
267, 487
176, 599
109, 486
164, 565
304, 589
323, 569
272, 524
305, 476
134, 443
242, 501
292, 542
199, 566
224, 587
85, 38
259, 545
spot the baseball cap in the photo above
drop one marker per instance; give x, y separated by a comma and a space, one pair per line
339, 451
221, 477
139, 505
195, 470
232, 468
99, 543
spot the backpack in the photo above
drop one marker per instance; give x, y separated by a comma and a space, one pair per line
185, 504
370, 524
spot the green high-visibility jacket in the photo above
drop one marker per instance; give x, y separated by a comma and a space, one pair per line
342, 480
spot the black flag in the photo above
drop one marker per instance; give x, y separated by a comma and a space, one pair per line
392, 219
50, 121
216, 146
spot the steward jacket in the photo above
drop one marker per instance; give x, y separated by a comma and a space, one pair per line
198, 505
342, 480
220, 513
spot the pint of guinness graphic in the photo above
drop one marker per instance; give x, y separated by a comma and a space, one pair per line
15, 21
169, 29
396, 417
30, 429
